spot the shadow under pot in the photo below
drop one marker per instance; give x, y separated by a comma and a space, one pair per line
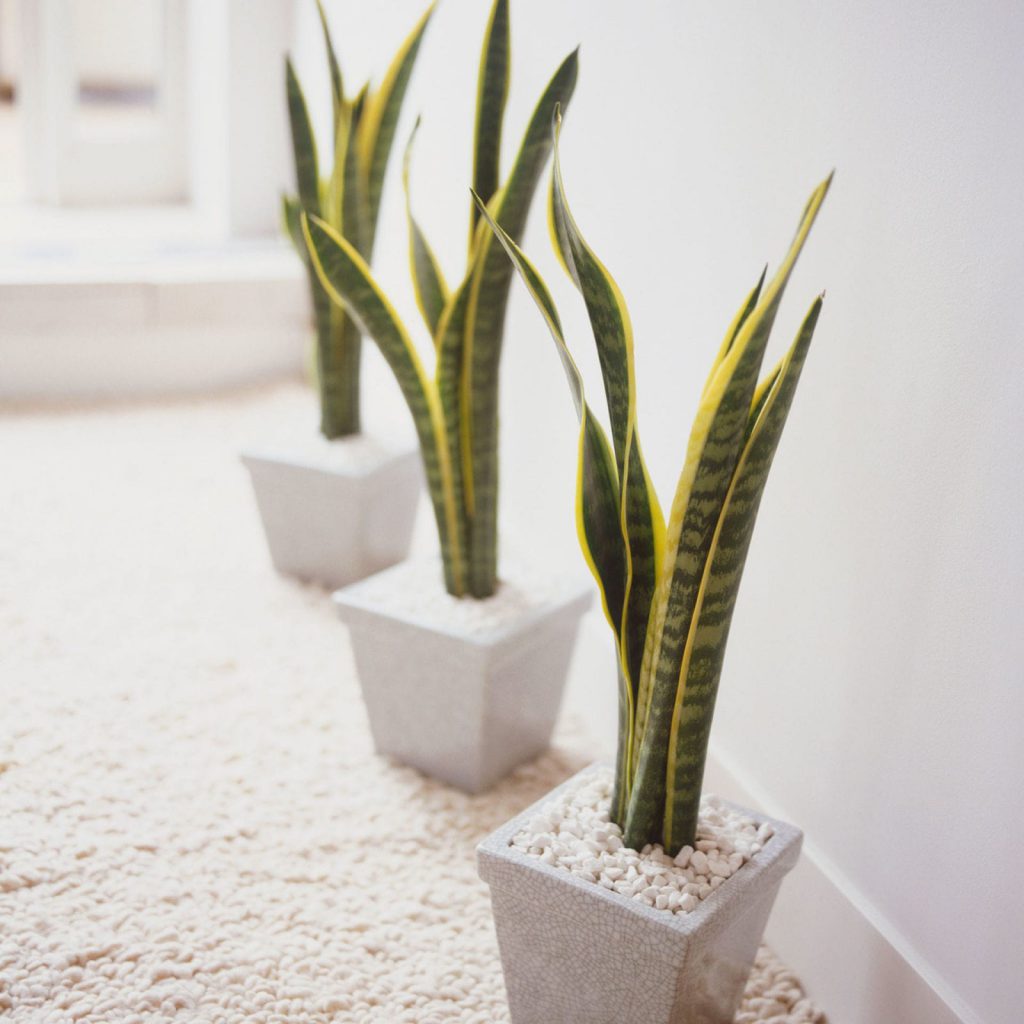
463, 690
336, 511
580, 947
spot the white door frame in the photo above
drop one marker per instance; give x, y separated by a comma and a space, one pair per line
70, 164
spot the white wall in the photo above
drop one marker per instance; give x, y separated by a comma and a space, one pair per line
873, 691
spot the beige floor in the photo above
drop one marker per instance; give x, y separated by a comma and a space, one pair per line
192, 824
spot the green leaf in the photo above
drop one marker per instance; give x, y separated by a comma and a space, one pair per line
448, 343
340, 345
713, 450
428, 280
347, 279
598, 520
491, 276
701, 667
739, 320
355, 224
641, 514
291, 219
332, 188
656, 620
491, 95
338, 342
337, 83
379, 121
307, 174
339, 356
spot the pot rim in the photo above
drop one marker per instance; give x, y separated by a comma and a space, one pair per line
763, 871
356, 608
292, 458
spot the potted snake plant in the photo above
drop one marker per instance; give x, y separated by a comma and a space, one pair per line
661, 898
339, 505
462, 670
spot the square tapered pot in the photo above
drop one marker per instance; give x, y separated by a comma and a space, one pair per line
336, 511
577, 953
461, 689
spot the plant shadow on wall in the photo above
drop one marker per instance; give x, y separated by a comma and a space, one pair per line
669, 590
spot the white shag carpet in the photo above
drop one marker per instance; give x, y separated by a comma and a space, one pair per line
193, 827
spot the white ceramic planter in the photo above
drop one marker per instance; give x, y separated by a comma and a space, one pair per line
464, 692
336, 511
577, 953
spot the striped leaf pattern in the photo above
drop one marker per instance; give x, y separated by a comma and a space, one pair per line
378, 124
656, 621
485, 318
492, 93
598, 511
307, 173
347, 198
669, 599
711, 458
427, 277
701, 667
613, 334
346, 277
448, 343
337, 82
354, 224
456, 411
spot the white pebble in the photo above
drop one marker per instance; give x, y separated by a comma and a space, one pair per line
574, 833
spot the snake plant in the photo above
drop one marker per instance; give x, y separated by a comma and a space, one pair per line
348, 198
669, 590
455, 409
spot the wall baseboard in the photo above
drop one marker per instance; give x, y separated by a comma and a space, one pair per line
853, 961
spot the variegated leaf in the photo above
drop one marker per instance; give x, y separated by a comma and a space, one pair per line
307, 174
347, 278
714, 447
380, 120
448, 342
491, 277
613, 333
701, 667
492, 92
598, 516
428, 281
337, 83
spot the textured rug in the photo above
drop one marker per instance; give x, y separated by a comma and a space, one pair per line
193, 827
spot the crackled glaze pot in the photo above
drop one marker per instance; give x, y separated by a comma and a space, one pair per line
577, 953
464, 706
